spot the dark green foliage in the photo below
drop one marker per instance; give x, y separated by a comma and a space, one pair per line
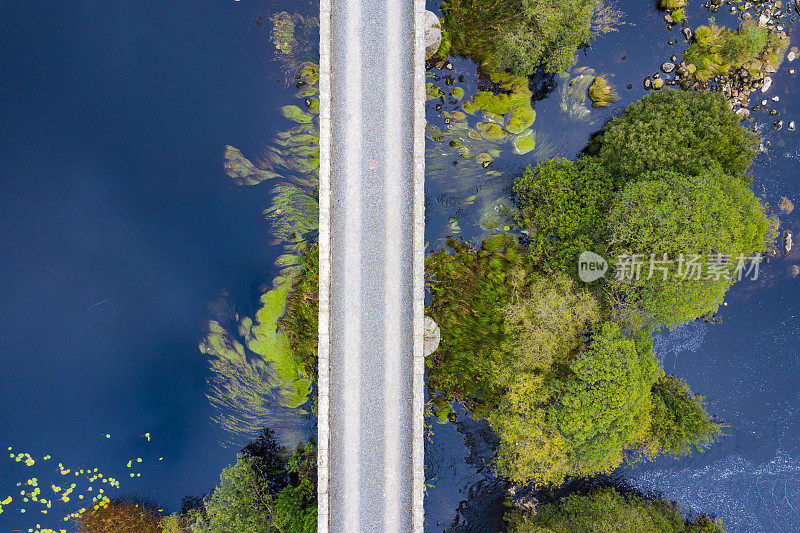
301, 320
519, 35
564, 204
295, 506
679, 422
687, 132
469, 290
606, 510
602, 406
265, 491
269, 460
673, 214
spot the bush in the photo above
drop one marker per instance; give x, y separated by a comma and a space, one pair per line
687, 132
519, 35
679, 423
674, 215
469, 290
564, 204
606, 510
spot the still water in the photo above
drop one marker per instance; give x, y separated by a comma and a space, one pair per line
119, 229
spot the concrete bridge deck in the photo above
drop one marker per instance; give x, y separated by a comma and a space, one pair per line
371, 363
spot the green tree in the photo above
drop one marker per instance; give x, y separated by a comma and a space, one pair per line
519, 35
545, 320
603, 404
713, 216
679, 422
606, 510
564, 205
688, 132
241, 503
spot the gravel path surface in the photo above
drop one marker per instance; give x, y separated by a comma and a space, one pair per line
370, 405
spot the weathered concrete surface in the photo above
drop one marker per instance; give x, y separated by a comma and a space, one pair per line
371, 363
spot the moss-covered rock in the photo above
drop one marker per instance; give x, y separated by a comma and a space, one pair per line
524, 142
520, 118
601, 93
491, 131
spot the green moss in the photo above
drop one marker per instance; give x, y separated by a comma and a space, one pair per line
524, 142
719, 51
313, 106
601, 93
491, 131
520, 118
672, 4
457, 93
678, 15
483, 158
468, 107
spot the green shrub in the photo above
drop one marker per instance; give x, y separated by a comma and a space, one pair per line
686, 131
604, 509
519, 35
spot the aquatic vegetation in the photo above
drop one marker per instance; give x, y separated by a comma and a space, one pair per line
471, 318
56, 499
602, 93
292, 35
515, 35
743, 58
574, 91
252, 366
604, 508
255, 363
301, 319
524, 142
241, 170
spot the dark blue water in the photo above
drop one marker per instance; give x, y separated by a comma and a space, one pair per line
118, 228
748, 367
